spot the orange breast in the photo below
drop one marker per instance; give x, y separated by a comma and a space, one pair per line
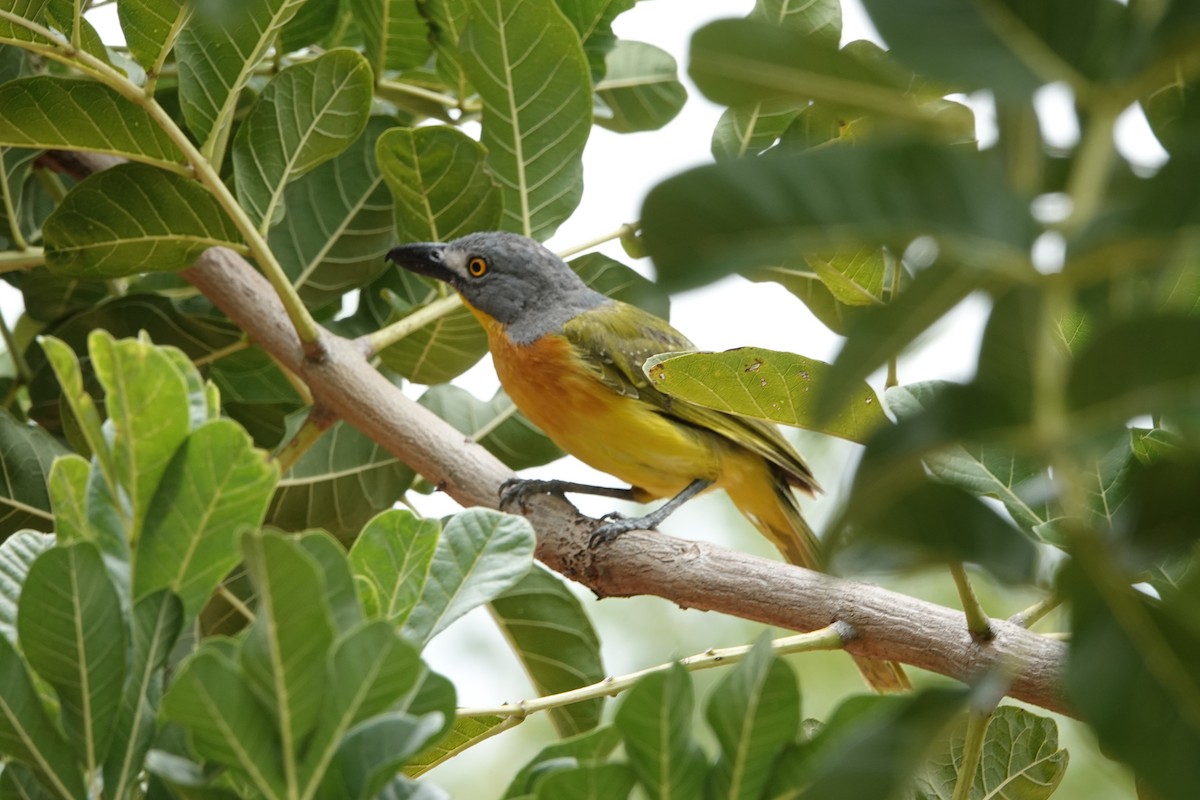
620, 435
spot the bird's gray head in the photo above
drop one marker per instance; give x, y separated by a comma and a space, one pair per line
511, 278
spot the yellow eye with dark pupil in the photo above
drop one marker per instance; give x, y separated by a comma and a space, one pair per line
477, 266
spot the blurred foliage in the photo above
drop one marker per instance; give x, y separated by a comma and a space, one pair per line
205, 590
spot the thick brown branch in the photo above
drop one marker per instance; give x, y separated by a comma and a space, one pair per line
889, 625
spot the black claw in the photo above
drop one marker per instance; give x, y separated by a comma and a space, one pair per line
515, 490
614, 524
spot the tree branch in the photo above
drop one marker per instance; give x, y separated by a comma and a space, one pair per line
887, 625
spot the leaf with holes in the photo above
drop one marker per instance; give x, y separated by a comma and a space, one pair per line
526, 61
753, 382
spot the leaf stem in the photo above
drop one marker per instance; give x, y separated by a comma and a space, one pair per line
628, 229
318, 421
831, 637
26, 258
972, 752
388, 335
412, 90
1030, 616
241, 344
235, 602
977, 619
1093, 165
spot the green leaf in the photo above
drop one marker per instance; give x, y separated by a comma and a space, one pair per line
854, 277
65, 366
372, 667
216, 485
343, 480
747, 129
433, 353
754, 711
393, 555
147, 403
549, 630
373, 753
586, 749
1021, 760
134, 218
596, 782
655, 717
225, 720
285, 649
312, 23
150, 27
26, 454
17, 553
447, 18
157, 621
593, 21
613, 279
26, 732
46, 112
337, 227
30, 10
480, 555
764, 384
985, 470
69, 478
340, 592
465, 733
50, 297
931, 523
73, 633
721, 218
800, 280
893, 734
1131, 675
640, 90
220, 45
736, 62
440, 183
885, 331
308, 114
395, 35
528, 66
1158, 369
18, 780
983, 47
496, 424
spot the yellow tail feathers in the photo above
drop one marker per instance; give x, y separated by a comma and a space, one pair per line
772, 507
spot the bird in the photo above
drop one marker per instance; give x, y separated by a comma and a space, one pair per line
570, 358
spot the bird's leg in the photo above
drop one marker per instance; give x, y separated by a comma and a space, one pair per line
514, 490
612, 527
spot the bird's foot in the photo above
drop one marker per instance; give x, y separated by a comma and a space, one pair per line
515, 490
613, 524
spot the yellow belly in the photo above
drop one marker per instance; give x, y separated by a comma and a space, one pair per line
613, 433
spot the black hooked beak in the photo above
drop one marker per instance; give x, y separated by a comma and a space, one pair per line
423, 258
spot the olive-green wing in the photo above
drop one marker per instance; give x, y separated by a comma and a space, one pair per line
615, 339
